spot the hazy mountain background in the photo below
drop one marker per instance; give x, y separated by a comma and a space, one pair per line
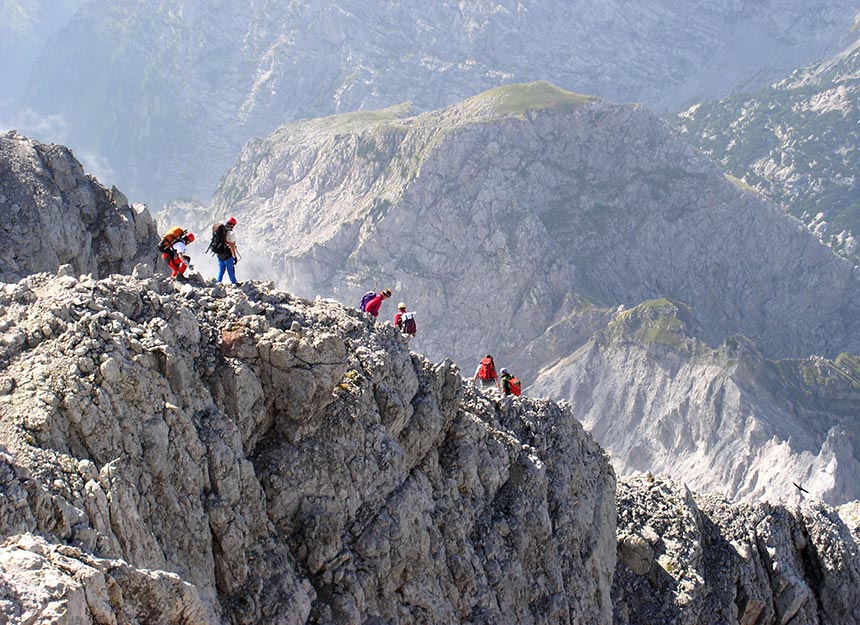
797, 141
158, 96
26, 26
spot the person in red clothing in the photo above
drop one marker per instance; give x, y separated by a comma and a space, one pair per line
485, 374
375, 304
176, 258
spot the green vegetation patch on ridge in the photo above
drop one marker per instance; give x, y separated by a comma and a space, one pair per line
520, 98
656, 321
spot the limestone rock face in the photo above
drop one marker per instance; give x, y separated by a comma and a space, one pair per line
190, 455
796, 143
61, 584
197, 83
54, 214
690, 559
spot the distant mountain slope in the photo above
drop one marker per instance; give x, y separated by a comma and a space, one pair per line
798, 142
26, 26
501, 215
167, 91
724, 420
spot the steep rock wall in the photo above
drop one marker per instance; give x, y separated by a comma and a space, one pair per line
725, 420
55, 214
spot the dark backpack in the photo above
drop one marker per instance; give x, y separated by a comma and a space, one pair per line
487, 370
365, 299
218, 244
408, 323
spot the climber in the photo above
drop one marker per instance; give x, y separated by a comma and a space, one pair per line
375, 303
172, 248
486, 372
223, 245
405, 321
510, 384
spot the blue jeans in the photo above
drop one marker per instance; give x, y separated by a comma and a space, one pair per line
228, 265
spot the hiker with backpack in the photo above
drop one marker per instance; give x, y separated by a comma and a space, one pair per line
172, 248
510, 384
405, 321
372, 302
223, 245
486, 372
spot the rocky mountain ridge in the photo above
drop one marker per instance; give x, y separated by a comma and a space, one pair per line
796, 143
270, 459
686, 558
197, 83
204, 455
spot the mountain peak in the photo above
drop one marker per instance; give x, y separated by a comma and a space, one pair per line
521, 98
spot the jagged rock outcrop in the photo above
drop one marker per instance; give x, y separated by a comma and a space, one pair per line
504, 214
196, 84
54, 214
689, 559
724, 420
795, 142
190, 455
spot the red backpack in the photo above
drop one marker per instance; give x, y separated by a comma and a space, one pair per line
487, 370
515, 386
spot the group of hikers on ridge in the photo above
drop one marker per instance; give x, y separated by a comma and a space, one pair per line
404, 321
486, 376
223, 245
173, 247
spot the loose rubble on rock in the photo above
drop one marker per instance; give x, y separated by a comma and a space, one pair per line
175, 454
688, 559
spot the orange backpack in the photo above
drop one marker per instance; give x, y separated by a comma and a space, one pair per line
515, 386
172, 236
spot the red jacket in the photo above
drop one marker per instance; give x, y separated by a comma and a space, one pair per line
374, 305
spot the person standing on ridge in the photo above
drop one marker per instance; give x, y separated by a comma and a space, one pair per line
375, 304
223, 245
486, 372
405, 321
